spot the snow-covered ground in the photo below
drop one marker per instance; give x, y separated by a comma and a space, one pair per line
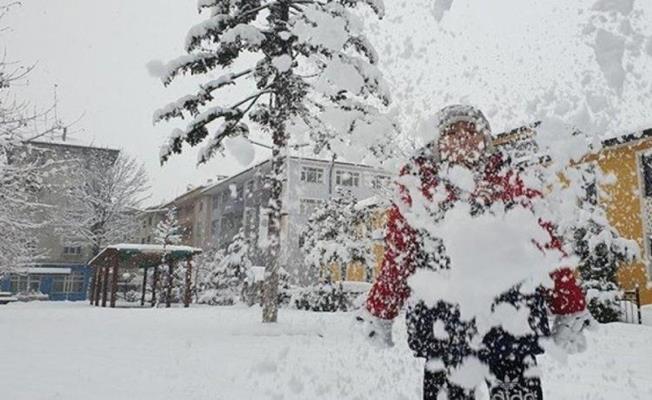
73, 351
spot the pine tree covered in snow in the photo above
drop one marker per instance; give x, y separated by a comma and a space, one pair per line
336, 235
168, 231
224, 284
602, 251
172, 275
311, 76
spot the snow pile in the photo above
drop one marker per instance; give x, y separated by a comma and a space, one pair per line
489, 254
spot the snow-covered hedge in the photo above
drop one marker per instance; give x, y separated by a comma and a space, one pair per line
330, 297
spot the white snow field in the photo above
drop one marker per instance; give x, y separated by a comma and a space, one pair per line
77, 352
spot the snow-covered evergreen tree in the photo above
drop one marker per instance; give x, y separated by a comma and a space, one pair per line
168, 231
172, 275
224, 284
336, 234
311, 75
602, 250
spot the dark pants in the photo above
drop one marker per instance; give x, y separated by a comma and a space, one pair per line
507, 356
511, 384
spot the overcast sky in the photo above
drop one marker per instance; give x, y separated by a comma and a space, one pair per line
499, 55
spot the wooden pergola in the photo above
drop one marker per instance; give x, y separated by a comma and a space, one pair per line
126, 256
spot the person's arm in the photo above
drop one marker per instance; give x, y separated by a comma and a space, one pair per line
390, 290
566, 296
568, 305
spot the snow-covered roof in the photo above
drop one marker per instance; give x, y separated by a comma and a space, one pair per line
354, 286
42, 270
373, 201
142, 253
153, 248
258, 273
67, 143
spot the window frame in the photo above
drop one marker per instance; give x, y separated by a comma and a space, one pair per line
354, 178
313, 175
315, 203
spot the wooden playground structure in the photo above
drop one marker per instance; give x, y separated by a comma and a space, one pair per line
114, 259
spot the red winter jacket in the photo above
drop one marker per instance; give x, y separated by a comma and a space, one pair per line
390, 290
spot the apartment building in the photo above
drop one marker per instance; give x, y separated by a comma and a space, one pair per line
60, 271
241, 201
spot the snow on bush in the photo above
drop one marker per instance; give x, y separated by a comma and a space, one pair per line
336, 234
224, 284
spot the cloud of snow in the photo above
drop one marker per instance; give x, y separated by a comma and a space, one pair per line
440, 8
156, 68
622, 6
241, 149
609, 50
485, 263
282, 63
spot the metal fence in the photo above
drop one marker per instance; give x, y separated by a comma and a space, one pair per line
630, 306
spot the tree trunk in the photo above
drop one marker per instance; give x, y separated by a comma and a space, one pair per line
187, 294
105, 284
154, 284
114, 281
281, 110
144, 290
270, 287
168, 292
94, 280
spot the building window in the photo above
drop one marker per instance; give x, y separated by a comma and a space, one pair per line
380, 182
71, 283
646, 163
34, 282
263, 227
249, 189
150, 220
312, 175
58, 283
215, 227
250, 218
71, 250
346, 178
215, 199
227, 224
234, 191
19, 283
308, 206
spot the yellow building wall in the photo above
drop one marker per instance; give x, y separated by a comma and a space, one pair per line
624, 209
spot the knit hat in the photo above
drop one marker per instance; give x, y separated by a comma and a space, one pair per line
450, 115
462, 113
